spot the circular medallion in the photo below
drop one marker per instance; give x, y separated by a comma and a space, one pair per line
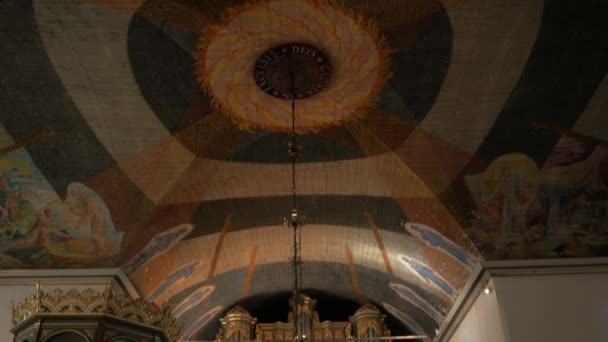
238, 57
309, 66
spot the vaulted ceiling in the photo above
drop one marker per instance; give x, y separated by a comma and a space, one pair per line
133, 134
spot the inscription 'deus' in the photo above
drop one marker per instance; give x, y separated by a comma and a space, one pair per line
310, 68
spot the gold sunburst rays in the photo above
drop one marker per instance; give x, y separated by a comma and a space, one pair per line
227, 52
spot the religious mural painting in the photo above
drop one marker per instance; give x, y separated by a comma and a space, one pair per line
404, 317
202, 321
40, 228
158, 245
429, 276
526, 204
174, 279
405, 293
193, 300
436, 240
448, 284
557, 209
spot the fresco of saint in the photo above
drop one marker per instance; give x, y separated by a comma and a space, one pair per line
38, 227
557, 210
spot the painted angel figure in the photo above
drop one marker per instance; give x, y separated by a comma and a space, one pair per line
90, 217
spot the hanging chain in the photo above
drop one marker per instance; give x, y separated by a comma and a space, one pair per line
293, 149
295, 221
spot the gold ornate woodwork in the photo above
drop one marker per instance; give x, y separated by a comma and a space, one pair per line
88, 302
329, 331
238, 324
306, 306
367, 323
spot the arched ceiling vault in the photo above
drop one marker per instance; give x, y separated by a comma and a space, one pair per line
133, 135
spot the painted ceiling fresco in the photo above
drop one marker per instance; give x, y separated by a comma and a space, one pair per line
133, 134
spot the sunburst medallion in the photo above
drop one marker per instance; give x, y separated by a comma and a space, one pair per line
338, 58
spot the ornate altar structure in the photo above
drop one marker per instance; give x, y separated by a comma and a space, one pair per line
89, 315
366, 324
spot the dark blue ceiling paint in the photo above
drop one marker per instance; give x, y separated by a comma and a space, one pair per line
348, 211
567, 62
420, 66
331, 279
163, 70
272, 148
33, 99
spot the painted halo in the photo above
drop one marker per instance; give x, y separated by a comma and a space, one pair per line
228, 52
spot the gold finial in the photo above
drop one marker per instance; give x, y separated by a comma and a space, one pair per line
38, 296
107, 294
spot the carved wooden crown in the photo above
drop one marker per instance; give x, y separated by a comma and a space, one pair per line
91, 302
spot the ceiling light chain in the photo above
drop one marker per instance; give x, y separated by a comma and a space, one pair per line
295, 221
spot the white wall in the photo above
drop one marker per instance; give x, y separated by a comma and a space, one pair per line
556, 308
482, 323
553, 302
